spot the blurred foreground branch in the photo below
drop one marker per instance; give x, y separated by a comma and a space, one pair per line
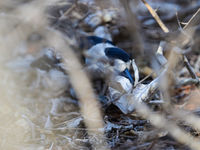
89, 106
159, 121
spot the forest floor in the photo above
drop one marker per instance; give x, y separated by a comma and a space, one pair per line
47, 101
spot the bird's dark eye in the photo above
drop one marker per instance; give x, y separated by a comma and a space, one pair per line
117, 53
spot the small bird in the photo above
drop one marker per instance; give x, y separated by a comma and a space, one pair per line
103, 50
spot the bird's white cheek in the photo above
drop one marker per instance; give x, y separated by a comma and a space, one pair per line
119, 65
97, 53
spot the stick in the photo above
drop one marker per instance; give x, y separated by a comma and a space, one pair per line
156, 17
160, 121
193, 21
63, 16
189, 68
89, 106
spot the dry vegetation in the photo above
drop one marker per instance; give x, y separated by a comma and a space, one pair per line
51, 100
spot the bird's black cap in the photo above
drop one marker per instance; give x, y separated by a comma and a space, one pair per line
117, 53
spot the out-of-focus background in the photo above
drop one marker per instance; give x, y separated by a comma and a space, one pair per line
39, 108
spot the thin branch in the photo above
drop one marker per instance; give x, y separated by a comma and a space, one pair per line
134, 29
145, 78
186, 81
156, 17
189, 68
156, 102
188, 117
193, 21
64, 15
89, 106
160, 121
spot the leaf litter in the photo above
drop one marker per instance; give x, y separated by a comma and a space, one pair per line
40, 104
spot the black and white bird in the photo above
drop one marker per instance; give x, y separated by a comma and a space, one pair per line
100, 49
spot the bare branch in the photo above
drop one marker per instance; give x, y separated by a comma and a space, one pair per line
189, 68
193, 21
156, 17
89, 105
160, 121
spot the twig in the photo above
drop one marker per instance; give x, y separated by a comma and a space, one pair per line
156, 102
179, 23
189, 68
186, 81
133, 27
89, 105
51, 147
160, 121
63, 16
152, 144
145, 78
188, 117
172, 127
186, 31
156, 17
193, 21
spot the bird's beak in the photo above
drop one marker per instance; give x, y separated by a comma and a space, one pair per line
127, 74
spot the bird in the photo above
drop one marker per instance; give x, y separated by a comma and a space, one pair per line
103, 50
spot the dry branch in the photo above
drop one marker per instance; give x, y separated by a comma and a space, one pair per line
189, 68
133, 27
156, 17
193, 21
89, 106
159, 121
174, 130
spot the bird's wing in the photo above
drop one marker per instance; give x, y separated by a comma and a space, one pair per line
117, 53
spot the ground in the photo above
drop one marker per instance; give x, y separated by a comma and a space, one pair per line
50, 98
